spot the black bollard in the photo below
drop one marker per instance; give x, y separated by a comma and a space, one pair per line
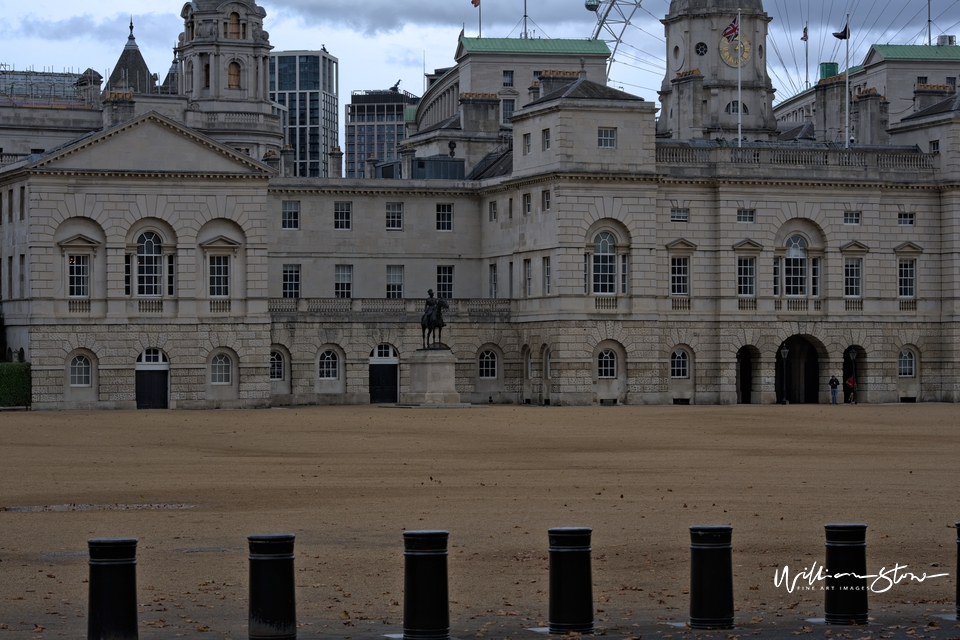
426, 608
273, 605
711, 577
112, 609
958, 571
845, 595
571, 583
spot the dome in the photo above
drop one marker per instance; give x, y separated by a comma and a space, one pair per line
712, 6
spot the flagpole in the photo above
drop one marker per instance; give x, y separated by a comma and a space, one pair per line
739, 82
480, 12
846, 138
806, 47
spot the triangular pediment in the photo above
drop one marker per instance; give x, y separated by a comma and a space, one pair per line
908, 249
854, 247
220, 242
748, 246
681, 246
873, 56
150, 143
79, 242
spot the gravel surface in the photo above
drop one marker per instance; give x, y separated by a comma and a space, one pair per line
349, 480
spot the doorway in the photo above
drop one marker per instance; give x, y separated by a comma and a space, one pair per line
384, 375
798, 378
153, 380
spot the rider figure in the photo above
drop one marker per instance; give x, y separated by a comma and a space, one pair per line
432, 309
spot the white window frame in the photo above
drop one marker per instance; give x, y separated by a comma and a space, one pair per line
276, 366
679, 214
546, 275
81, 371
906, 218
290, 214
680, 276
219, 275
394, 215
445, 217
487, 365
852, 217
545, 139
394, 281
853, 277
78, 275
343, 281
607, 364
526, 144
746, 216
545, 199
906, 364
527, 277
907, 278
445, 281
221, 369
679, 365
746, 277
493, 280
343, 216
328, 365
607, 137
291, 281
149, 265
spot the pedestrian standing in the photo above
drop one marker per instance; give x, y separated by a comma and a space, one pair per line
852, 386
834, 387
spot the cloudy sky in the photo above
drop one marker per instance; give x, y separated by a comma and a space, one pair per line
381, 41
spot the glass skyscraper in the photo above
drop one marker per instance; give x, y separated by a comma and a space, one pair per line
375, 127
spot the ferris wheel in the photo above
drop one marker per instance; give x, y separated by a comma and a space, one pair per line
613, 18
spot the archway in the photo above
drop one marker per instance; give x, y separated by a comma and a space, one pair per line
798, 378
854, 366
384, 375
152, 371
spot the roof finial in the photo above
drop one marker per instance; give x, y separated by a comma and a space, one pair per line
131, 26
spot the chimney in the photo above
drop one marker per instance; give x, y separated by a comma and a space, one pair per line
554, 80
118, 107
480, 113
286, 161
534, 91
89, 85
874, 118
927, 95
336, 163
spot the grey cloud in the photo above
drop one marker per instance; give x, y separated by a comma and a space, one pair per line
150, 29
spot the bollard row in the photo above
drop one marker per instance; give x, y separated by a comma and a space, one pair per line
112, 612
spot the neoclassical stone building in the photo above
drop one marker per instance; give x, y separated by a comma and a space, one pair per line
602, 256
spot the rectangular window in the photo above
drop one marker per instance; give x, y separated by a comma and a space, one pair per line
445, 282
23, 275
171, 274
290, 215
795, 276
776, 277
906, 218
907, 279
510, 279
607, 138
952, 81
527, 204
343, 281
679, 215
546, 276
10, 206
934, 146
444, 217
510, 209
149, 275
343, 216
507, 111
79, 276
507, 78
921, 79
527, 278
127, 274
851, 217
23, 202
604, 273
746, 215
852, 277
746, 277
395, 215
680, 276
493, 211
624, 273
545, 200
526, 144
493, 281
220, 276
291, 281
395, 281
545, 139
815, 277
10, 277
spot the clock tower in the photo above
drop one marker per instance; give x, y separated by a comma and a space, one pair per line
712, 47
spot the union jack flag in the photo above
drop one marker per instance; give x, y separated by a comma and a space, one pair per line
804, 36
732, 32
475, 3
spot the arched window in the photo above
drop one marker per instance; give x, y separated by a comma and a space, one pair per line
276, 365
734, 108
907, 364
234, 25
80, 371
488, 365
604, 263
329, 365
795, 267
152, 356
528, 365
149, 265
679, 364
220, 369
607, 364
233, 75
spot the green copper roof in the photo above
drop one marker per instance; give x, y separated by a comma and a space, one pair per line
917, 52
533, 45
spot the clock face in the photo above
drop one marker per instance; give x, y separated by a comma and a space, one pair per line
735, 53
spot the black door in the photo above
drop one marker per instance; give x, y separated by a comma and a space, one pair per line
383, 383
152, 389
745, 366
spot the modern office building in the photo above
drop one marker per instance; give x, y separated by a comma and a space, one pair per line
306, 83
375, 126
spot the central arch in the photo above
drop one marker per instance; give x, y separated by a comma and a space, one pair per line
798, 377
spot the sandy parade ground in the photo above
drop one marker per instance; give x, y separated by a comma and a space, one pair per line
349, 480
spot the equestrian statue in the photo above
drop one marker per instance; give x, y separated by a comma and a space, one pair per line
431, 323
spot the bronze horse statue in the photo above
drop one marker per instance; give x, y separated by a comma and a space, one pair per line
431, 323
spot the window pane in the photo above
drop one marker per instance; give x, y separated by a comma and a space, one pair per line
394, 281
276, 365
80, 372
488, 365
343, 281
445, 282
79, 276
291, 281
746, 277
607, 364
149, 265
220, 276
290, 215
679, 276
220, 369
329, 366
342, 215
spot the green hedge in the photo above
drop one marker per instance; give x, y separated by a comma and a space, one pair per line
14, 384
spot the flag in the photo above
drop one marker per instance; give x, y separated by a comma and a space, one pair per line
732, 32
804, 36
475, 3
843, 35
